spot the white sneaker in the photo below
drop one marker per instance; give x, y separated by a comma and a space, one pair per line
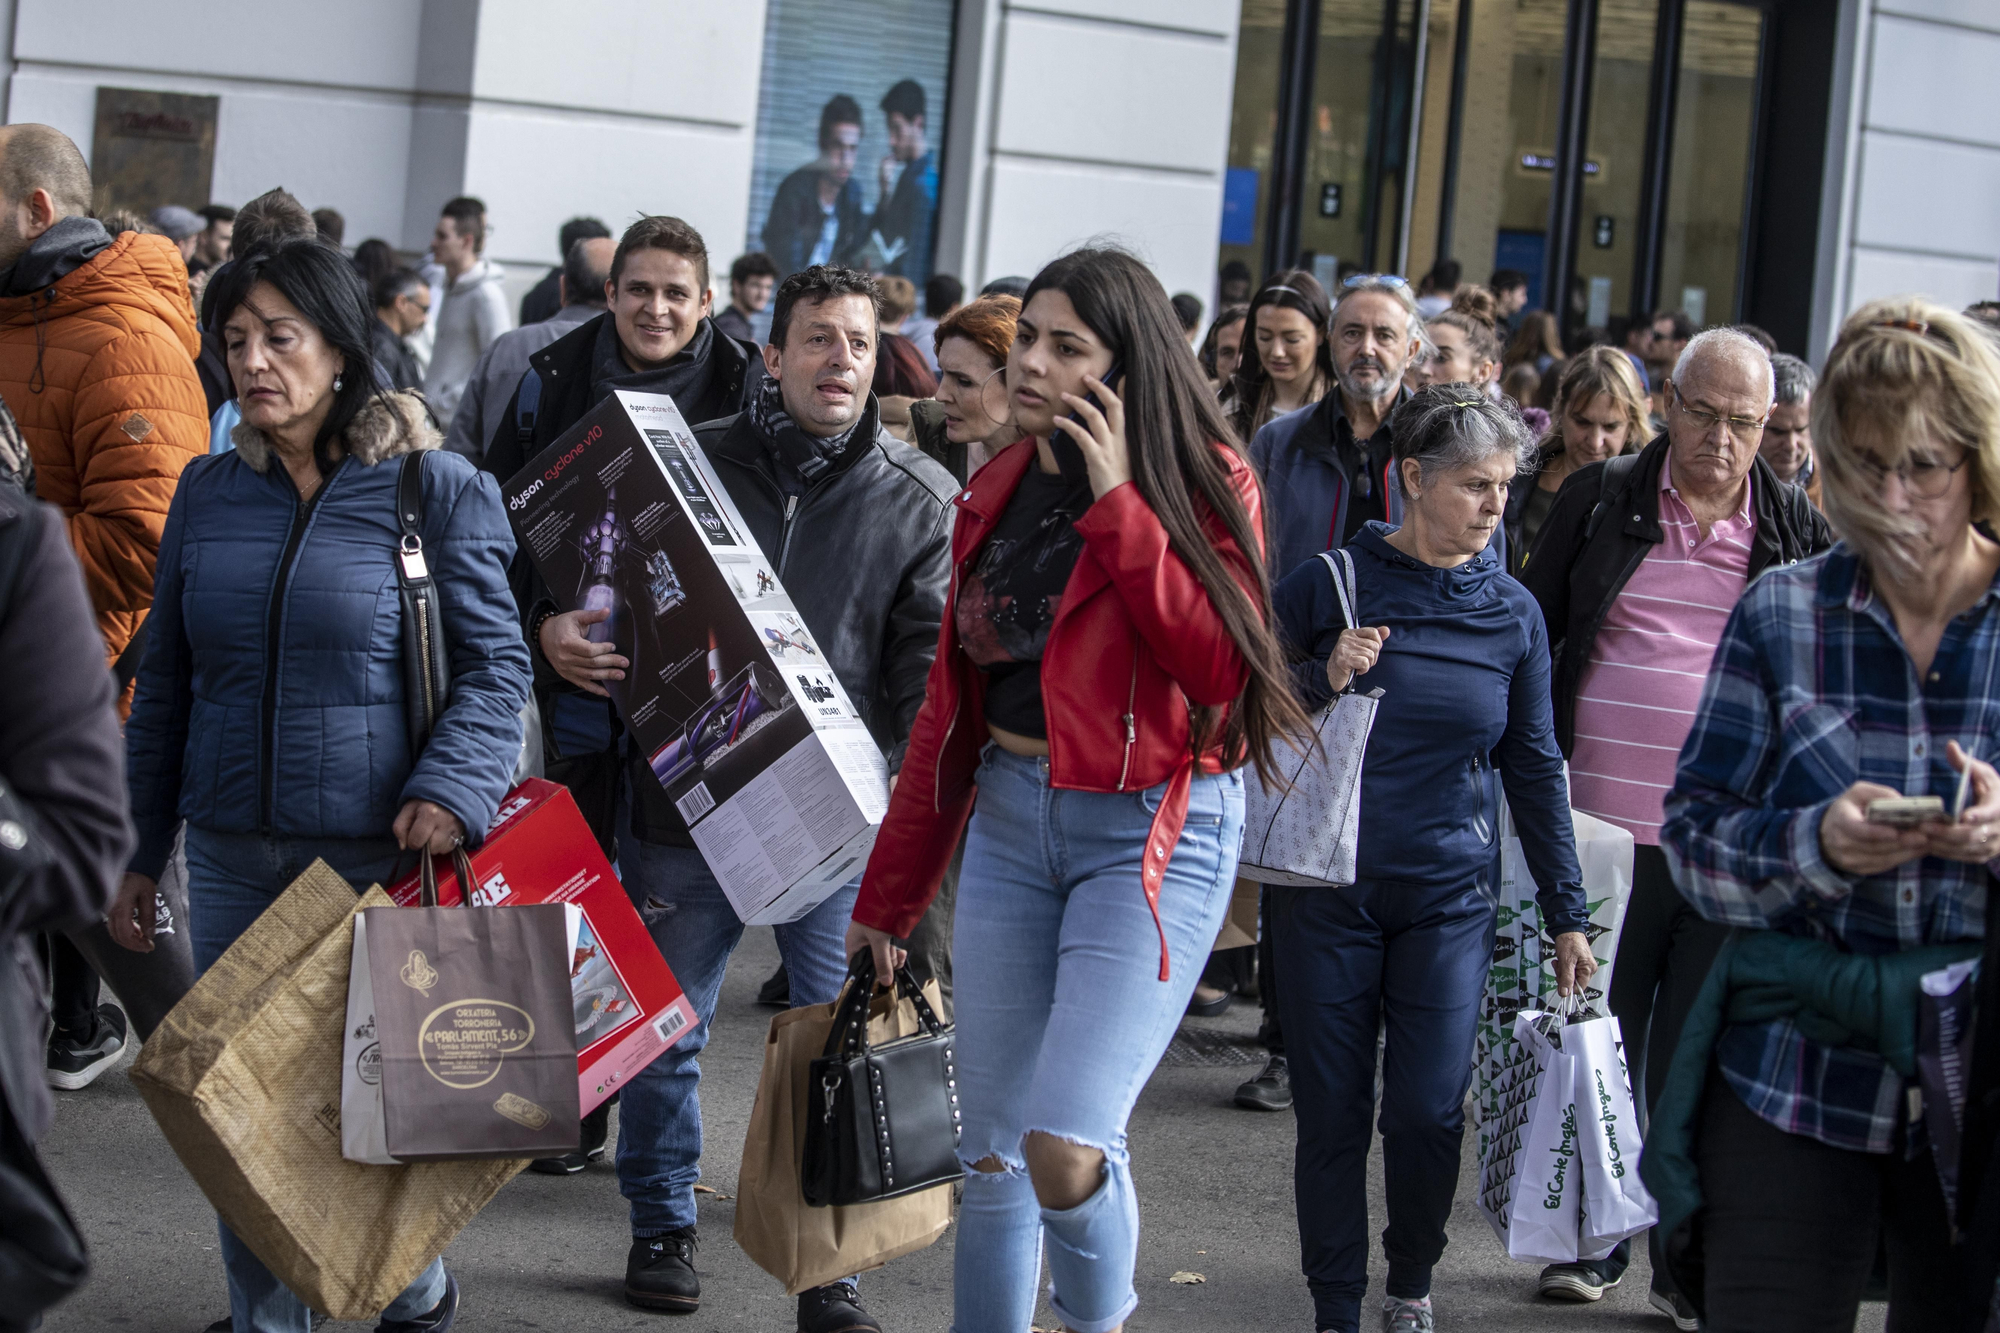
1401, 1316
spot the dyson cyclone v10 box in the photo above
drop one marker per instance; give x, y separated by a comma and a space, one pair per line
744, 723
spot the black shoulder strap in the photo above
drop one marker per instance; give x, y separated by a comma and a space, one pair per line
1616, 472
410, 494
527, 400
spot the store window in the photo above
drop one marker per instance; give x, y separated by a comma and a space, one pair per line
850, 121
1253, 129
1715, 117
1507, 139
1614, 169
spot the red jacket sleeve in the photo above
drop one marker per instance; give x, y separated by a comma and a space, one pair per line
1168, 604
926, 815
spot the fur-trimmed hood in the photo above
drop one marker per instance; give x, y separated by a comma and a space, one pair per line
388, 425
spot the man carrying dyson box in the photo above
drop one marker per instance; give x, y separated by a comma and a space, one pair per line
856, 526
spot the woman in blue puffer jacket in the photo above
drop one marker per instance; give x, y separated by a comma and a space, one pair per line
270, 706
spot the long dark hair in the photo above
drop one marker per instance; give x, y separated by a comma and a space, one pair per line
1174, 433
1250, 390
319, 280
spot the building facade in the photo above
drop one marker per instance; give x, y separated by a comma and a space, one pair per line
1768, 161
1774, 161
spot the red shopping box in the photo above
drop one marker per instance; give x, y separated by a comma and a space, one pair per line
628, 1007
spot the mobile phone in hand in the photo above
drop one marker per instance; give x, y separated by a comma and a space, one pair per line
1906, 811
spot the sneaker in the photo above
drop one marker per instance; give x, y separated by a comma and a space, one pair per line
1270, 1090
1575, 1282
1401, 1316
659, 1272
596, 1129
1676, 1307
1214, 1005
835, 1308
777, 989
442, 1316
75, 1063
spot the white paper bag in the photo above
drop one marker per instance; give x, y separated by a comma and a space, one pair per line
1530, 1177
1615, 1204
364, 1126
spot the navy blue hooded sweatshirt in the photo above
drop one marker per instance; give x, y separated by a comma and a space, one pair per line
1464, 677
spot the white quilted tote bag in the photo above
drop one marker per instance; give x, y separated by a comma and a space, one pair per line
1306, 836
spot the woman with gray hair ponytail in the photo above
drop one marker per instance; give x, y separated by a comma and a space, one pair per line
1456, 649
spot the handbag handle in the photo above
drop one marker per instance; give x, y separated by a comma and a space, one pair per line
427, 882
1343, 585
850, 1024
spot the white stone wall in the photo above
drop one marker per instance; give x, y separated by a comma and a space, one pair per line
1913, 170
1079, 119
384, 109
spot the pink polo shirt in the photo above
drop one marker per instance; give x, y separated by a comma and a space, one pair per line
1636, 698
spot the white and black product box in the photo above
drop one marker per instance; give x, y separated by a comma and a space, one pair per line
747, 727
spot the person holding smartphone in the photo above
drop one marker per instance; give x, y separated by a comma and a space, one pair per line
1105, 666
1864, 677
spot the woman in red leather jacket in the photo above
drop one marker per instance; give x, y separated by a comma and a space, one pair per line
1106, 667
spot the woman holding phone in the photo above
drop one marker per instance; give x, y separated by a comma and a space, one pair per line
1864, 676
1105, 667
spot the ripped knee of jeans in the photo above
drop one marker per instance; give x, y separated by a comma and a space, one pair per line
992, 1164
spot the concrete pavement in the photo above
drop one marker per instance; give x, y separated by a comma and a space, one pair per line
1215, 1189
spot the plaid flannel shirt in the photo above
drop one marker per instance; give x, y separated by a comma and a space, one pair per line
1811, 691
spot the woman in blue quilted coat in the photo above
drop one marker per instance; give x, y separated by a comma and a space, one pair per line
270, 713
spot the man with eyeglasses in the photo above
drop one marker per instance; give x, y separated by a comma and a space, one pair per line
1638, 567
1787, 443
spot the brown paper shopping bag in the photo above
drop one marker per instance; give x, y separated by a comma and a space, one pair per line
243, 1077
802, 1246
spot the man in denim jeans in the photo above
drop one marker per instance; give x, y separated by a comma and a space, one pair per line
857, 525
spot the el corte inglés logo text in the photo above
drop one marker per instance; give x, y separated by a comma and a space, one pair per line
464, 1043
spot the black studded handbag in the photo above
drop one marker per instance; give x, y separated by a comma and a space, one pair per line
881, 1121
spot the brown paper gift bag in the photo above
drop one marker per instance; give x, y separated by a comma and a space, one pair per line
243, 1077
802, 1246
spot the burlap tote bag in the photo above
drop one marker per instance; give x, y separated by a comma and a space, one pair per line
244, 1080
802, 1246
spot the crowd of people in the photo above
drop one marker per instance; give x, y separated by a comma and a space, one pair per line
1061, 542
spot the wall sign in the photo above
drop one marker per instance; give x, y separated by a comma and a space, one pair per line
1329, 199
152, 148
1602, 231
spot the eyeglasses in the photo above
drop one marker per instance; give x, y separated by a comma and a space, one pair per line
1745, 429
1383, 279
1925, 478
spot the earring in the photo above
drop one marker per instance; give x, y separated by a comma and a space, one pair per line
336, 384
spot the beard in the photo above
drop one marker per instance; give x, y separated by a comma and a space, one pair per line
1384, 386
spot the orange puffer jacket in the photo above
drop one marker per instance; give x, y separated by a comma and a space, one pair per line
99, 369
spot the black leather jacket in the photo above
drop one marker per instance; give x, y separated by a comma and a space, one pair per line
1602, 526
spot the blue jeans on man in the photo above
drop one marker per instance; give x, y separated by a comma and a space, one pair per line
696, 930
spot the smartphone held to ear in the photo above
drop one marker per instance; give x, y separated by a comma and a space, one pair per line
1069, 454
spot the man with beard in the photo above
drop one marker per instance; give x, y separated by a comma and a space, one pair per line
857, 526
1326, 467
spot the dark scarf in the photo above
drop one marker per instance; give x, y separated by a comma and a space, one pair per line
801, 459
685, 378
61, 250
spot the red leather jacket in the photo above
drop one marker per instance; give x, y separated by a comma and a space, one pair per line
1135, 641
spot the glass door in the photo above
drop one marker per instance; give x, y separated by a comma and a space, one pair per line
1615, 163
1253, 132
1714, 135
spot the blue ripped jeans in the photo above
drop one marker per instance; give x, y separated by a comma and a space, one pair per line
231, 879
1061, 1018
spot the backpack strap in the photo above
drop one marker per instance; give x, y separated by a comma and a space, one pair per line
527, 399
1616, 470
